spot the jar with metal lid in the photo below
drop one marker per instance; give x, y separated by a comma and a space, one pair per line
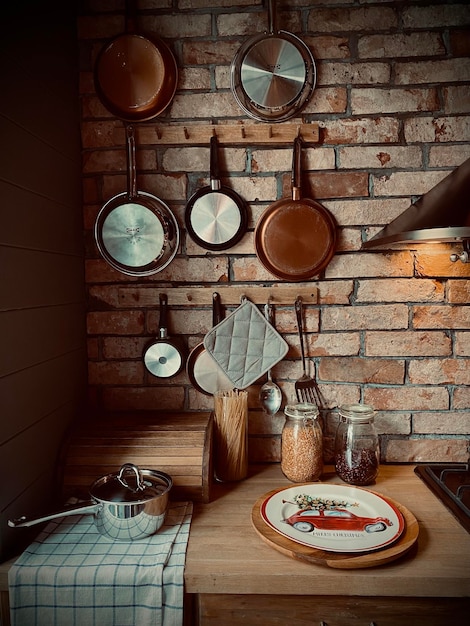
357, 445
302, 443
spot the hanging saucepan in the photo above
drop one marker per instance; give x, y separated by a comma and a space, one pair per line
128, 505
203, 372
136, 233
216, 217
295, 238
135, 77
273, 74
163, 358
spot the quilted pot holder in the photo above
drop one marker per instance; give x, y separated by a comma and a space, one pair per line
245, 345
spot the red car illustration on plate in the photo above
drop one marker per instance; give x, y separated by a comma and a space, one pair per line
306, 520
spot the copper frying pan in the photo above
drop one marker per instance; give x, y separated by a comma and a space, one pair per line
295, 239
135, 77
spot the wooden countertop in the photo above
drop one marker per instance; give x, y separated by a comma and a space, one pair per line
226, 555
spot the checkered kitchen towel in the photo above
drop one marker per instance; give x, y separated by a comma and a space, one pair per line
73, 576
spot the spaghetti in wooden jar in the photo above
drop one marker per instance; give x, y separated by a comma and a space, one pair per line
302, 443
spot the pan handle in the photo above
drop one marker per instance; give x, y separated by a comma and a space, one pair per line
162, 326
131, 170
296, 169
216, 309
299, 315
272, 16
214, 164
76, 509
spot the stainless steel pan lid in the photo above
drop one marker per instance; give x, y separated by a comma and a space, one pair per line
136, 233
216, 217
295, 238
273, 75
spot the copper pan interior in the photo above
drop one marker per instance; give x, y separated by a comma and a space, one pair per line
135, 78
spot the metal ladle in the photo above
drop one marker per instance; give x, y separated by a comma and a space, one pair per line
270, 395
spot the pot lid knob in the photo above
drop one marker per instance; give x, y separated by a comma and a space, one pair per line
131, 468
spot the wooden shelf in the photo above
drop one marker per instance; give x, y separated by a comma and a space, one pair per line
229, 134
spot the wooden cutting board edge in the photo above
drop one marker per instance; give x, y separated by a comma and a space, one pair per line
338, 560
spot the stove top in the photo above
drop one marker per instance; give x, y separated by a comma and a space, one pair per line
450, 482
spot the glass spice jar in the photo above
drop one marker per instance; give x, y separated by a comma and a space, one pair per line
302, 443
357, 445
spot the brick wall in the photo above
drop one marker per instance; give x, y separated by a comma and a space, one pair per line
393, 103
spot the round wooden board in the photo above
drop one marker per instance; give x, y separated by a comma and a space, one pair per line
339, 560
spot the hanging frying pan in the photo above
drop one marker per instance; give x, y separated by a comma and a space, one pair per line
273, 74
136, 233
295, 238
135, 77
203, 372
163, 358
216, 217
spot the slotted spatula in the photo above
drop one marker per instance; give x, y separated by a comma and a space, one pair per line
306, 387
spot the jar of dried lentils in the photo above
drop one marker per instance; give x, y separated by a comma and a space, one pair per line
302, 443
357, 445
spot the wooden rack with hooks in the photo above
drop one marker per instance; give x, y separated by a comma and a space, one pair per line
283, 295
230, 134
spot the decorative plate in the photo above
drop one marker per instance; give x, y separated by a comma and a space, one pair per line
335, 518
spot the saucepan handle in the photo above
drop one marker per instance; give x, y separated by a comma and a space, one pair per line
76, 509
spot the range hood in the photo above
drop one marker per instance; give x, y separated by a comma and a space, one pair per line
441, 214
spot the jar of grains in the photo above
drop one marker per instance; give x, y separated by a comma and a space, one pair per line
357, 445
301, 443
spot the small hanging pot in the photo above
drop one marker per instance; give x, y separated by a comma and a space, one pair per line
163, 358
273, 74
216, 217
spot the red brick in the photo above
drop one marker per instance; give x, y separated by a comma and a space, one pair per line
115, 323
462, 344
362, 370
425, 450
379, 316
329, 185
115, 373
159, 398
461, 398
397, 265
124, 347
407, 398
441, 317
344, 18
407, 343
404, 290
458, 291
436, 129
453, 422
401, 45
362, 130
439, 371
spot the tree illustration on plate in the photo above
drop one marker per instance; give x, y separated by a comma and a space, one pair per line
307, 502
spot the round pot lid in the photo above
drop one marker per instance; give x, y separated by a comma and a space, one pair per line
131, 485
138, 236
